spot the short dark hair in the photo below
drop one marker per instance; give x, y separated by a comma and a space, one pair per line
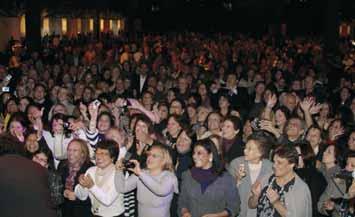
210, 147
237, 124
10, 145
263, 142
111, 146
287, 152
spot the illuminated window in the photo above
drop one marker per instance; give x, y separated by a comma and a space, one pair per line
111, 25
78, 24
64, 25
102, 22
23, 25
91, 25
118, 25
45, 28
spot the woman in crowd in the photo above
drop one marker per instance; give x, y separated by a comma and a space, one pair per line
98, 183
44, 157
18, 126
206, 189
285, 194
232, 144
77, 163
249, 168
155, 185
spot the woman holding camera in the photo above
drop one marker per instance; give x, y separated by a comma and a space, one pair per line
155, 185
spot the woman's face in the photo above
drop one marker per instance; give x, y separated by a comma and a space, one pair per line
103, 158
147, 99
202, 90
223, 102
351, 141
281, 166
104, 123
75, 154
171, 96
173, 127
59, 109
214, 122
141, 127
176, 108
324, 111
228, 130
23, 104
183, 143
31, 143
57, 126
202, 158
11, 107
329, 155
16, 128
155, 159
191, 112
280, 118
252, 151
163, 112
41, 159
314, 137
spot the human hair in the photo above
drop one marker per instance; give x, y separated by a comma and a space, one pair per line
262, 141
48, 153
210, 147
64, 118
111, 146
83, 148
10, 145
284, 110
19, 117
287, 152
145, 120
237, 124
109, 115
307, 154
166, 156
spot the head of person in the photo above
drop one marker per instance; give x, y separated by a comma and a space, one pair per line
78, 152
177, 107
31, 142
57, 124
282, 114
116, 134
290, 101
23, 103
17, 124
175, 125
314, 136
39, 93
223, 101
159, 159
306, 155
202, 113
171, 95
325, 110
184, 141
143, 125
231, 127
44, 157
11, 106
214, 120
294, 128
205, 156
106, 153
335, 127
57, 108
163, 110
105, 121
256, 148
351, 141
10, 145
331, 155
285, 160
350, 162
32, 111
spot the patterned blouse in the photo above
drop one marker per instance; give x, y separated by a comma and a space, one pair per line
265, 208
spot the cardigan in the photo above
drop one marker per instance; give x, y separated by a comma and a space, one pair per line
154, 193
111, 202
220, 195
245, 185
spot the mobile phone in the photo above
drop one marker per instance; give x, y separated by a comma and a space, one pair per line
6, 89
97, 103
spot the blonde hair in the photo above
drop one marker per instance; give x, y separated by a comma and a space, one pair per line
166, 156
84, 150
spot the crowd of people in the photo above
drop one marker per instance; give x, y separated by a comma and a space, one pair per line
190, 125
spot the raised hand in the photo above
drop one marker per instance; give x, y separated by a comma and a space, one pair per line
271, 101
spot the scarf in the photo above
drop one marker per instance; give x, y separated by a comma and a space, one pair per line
203, 177
70, 180
101, 177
